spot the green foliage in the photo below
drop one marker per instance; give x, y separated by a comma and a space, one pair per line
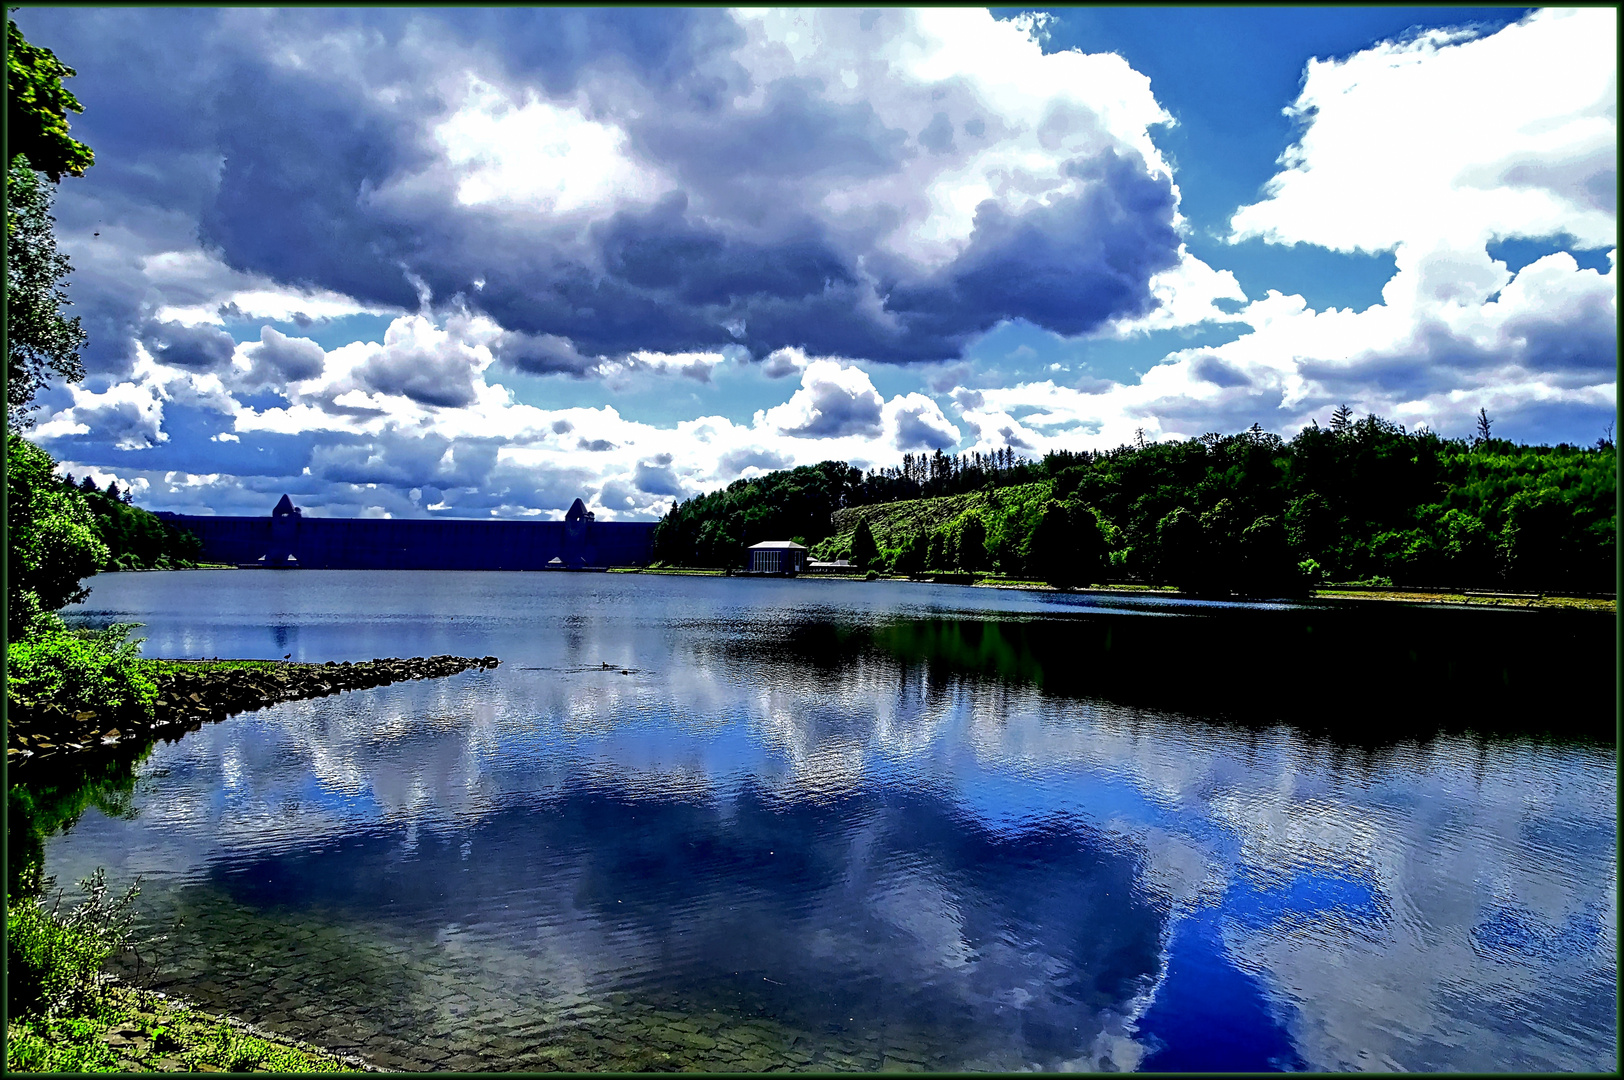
54, 961
51, 538
717, 529
53, 801
65, 1045
178, 1039
40, 340
912, 556
57, 535
95, 670
864, 550
1248, 514
138, 539
971, 546
1180, 547
37, 107
1051, 552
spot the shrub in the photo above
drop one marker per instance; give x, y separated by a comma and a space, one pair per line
54, 961
80, 670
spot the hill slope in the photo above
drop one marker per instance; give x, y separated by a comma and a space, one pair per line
893, 524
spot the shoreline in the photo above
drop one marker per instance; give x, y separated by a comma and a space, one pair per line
1460, 597
135, 1029
1399, 594
138, 1029
187, 699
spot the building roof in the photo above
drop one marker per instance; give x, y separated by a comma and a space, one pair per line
778, 545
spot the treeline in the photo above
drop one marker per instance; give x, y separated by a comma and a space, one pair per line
59, 531
715, 530
1356, 501
135, 539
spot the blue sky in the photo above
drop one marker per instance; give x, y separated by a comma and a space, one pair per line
471, 263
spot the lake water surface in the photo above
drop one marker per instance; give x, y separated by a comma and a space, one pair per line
746, 824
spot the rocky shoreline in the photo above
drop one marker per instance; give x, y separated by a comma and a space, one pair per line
188, 700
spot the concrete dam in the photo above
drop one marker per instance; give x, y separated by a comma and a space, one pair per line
287, 539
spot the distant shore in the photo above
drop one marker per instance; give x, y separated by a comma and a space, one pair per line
1467, 598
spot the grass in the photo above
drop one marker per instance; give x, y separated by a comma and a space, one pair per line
1583, 603
202, 667
132, 1030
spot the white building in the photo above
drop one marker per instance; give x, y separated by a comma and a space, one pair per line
777, 557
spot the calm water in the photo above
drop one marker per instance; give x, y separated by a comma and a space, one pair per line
836, 825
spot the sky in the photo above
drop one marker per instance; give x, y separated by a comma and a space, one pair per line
474, 263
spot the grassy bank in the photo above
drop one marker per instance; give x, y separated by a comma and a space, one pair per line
67, 1015
134, 1030
1581, 603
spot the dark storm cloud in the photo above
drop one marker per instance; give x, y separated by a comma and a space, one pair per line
665, 251
120, 423
554, 45
200, 348
797, 134
1235, 410
1582, 342
831, 404
938, 135
298, 143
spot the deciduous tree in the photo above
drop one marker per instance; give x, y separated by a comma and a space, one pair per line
37, 107
41, 341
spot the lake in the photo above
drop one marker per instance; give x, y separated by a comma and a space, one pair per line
831, 825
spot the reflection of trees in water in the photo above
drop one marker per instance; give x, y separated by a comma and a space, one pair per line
50, 798
972, 646
1361, 676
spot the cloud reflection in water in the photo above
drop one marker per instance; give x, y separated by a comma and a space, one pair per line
863, 838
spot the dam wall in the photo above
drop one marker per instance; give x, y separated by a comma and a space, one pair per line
287, 539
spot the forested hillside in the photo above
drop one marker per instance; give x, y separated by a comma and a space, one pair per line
1247, 513
136, 539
